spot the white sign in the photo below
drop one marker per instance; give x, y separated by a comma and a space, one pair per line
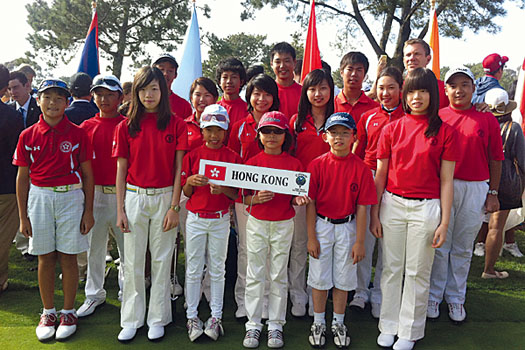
255, 178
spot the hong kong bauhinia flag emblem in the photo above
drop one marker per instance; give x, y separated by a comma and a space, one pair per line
214, 172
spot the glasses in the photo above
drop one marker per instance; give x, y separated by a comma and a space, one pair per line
53, 83
217, 117
106, 81
344, 134
276, 131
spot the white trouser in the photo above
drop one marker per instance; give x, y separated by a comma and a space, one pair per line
408, 231
105, 214
298, 256
452, 261
145, 216
206, 236
267, 239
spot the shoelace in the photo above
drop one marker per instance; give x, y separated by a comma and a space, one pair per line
275, 334
340, 329
194, 323
456, 308
253, 333
48, 318
67, 319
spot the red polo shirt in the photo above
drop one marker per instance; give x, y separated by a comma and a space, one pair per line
289, 97
243, 138
363, 104
194, 133
369, 129
202, 201
237, 109
337, 196
280, 206
151, 152
414, 160
180, 106
53, 154
100, 132
479, 141
309, 142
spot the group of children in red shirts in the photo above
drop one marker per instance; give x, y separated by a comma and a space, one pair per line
430, 171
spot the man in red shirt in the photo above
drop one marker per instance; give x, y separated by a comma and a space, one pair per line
231, 77
282, 59
476, 181
168, 66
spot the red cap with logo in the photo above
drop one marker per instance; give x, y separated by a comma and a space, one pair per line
273, 118
493, 62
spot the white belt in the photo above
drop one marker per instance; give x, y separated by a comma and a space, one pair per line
106, 189
148, 191
63, 188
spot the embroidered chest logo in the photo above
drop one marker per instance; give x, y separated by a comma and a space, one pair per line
169, 138
190, 133
375, 124
66, 146
481, 133
433, 141
354, 187
36, 148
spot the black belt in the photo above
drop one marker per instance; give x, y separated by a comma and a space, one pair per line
411, 198
337, 221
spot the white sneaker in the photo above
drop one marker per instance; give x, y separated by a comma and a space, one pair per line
317, 337
241, 311
251, 338
67, 326
341, 337
275, 339
214, 328
385, 340
127, 334
194, 326
155, 333
375, 310
358, 302
513, 249
46, 327
432, 309
479, 249
298, 310
89, 307
176, 289
404, 344
109, 258
456, 312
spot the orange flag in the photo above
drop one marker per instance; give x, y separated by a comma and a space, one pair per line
312, 56
434, 41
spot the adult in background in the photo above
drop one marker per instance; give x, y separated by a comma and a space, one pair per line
30, 75
493, 66
11, 125
82, 108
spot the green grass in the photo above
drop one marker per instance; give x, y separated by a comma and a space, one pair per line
496, 317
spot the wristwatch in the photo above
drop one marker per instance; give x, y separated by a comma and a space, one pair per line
176, 208
493, 192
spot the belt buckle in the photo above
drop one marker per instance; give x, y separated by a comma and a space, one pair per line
108, 189
61, 189
150, 191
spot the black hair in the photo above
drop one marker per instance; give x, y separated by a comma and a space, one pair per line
287, 144
354, 57
253, 71
206, 83
298, 67
282, 47
313, 78
21, 77
424, 79
266, 83
126, 87
230, 64
4, 76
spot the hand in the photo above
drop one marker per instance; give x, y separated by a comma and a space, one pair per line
171, 220
482, 107
375, 226
358, 252
25, 228
491, 204
87, 222
302, 200
439, 236
264, 196
216, 189
122, 221
197, 180
314, 248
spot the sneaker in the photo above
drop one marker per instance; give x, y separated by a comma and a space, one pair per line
127, 334
456, 312
155, 333
341, 337
375, 310
317, 337
275, 339
385, 340
513, 249
67, 326
117, 261
176, 289
251, 339
214, 328
358, 302
298, 310
241, 311
404, 344
432, 309
89, 307
479, 249
46, 327
194, 326
109, 258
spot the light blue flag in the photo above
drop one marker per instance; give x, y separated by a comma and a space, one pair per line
190, 67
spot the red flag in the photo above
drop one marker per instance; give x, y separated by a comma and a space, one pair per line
214, 172
434, 41
312, 56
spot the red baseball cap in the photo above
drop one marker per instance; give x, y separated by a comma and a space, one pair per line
493, 62
273, 118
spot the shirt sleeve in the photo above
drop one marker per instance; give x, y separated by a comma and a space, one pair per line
186, 169
233, 141
450, 143
495, 144
384, 145
120, 141
182, 134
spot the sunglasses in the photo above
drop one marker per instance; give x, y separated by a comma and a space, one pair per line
276, 131
53, 83
217, 117
106, 81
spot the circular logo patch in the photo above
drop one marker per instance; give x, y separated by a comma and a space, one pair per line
354, 187
433, 141
66, 146
481, 133
169, 138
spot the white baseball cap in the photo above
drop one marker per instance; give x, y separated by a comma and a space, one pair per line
109, 82
459, 70
215, 115
499, 103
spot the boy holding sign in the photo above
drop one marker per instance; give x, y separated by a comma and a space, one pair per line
336, 224
208, 221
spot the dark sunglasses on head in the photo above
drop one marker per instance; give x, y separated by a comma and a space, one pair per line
210, 117
53, 83
275, 131
104, 81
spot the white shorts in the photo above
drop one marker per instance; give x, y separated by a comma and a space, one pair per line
55, 220
335, 267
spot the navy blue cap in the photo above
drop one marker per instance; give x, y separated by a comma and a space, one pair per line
340, 118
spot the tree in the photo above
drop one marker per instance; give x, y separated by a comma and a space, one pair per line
400, 19
125, 27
